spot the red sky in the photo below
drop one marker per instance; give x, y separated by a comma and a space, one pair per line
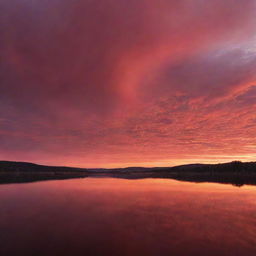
112, 83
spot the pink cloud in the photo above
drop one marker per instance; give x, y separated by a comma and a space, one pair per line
117, 82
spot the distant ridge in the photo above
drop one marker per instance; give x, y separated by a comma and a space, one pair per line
26, 166
230, 166
235, 172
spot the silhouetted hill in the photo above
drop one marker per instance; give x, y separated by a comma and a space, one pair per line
236, 172
17, 172
28, 167
235, 166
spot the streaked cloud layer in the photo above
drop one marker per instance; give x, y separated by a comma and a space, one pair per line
116, 83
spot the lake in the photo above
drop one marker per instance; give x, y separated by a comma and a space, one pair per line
108, 216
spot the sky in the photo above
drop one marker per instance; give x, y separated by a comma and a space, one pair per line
115, 83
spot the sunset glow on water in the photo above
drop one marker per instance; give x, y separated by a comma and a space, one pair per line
105, 216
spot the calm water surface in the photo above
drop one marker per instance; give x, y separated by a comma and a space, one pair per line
105, 216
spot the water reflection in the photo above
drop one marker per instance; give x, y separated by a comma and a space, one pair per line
105, 216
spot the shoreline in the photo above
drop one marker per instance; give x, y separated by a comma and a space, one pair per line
235, 173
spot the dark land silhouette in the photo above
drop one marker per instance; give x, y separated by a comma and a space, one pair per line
236, 173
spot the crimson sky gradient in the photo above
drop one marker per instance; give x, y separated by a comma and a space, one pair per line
109, 83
